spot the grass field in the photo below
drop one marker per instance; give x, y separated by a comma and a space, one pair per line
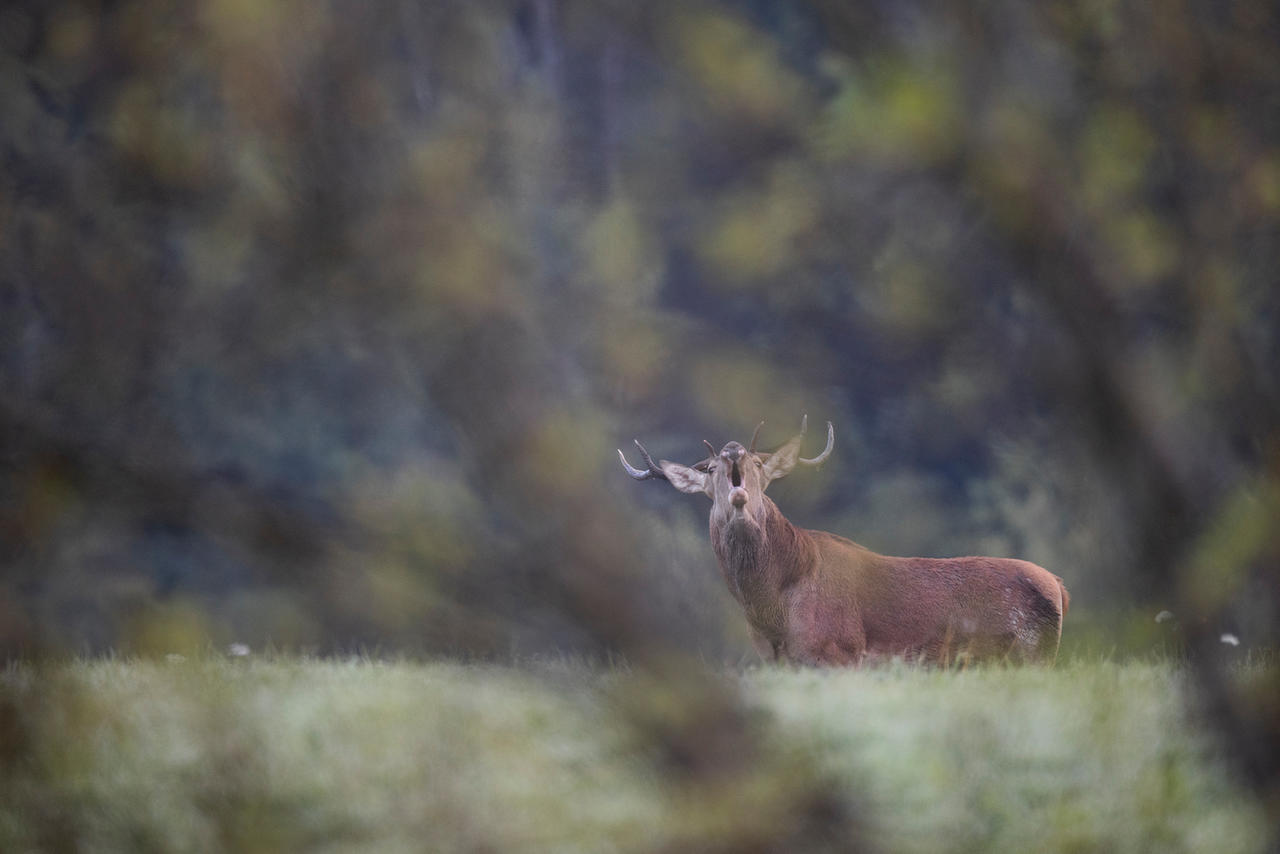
362, 755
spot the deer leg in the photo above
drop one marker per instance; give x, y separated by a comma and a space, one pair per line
829, 654
767, 649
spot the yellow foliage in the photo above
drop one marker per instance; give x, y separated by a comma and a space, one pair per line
901, 114
265, 26
737, 68
738, 389
163, 628
620, 255
443, 168
1243, 532
1264, 183
634, 354
564, 451
423, 512
400, 597
464, 258
756, 234
463, 271
1146, 245
1115, 148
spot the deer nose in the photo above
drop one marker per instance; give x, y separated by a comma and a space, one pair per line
731, 454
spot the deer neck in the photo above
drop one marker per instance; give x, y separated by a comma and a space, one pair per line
760, 555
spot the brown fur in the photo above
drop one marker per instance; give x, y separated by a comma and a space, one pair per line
816, 598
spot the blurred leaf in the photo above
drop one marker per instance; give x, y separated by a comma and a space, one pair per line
170, 628
620, 255
635, 352
737, 389
1263, 181
1147, 248
757, 235
564, 453
1242, 533
901, 114
1115, 148
158, 132
738, 68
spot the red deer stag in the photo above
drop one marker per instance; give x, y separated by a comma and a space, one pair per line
815, 598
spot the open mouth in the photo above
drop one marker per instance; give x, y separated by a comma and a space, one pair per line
735, 475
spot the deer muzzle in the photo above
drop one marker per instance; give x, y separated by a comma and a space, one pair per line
738, 497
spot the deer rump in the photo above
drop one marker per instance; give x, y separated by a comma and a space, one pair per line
816, 598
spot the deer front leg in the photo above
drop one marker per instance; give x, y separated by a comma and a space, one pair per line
828, 655
767, 649
820, 649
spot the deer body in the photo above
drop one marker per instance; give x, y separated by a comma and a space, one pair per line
816, 598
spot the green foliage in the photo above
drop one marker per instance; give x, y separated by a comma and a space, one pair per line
288, 754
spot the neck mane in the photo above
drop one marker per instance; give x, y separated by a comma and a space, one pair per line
760, 557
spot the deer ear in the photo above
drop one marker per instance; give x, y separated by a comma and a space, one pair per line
783, 460
684, 478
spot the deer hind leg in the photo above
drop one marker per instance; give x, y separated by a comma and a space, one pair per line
1037, 629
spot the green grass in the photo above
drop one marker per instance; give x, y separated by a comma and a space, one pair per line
311, 755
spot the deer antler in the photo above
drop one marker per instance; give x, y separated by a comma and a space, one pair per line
826, 452
653, 472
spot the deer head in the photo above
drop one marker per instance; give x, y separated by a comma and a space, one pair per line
736, 478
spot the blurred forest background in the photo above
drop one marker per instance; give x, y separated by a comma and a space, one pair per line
320, 321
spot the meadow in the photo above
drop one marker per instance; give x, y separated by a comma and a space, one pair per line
297, 754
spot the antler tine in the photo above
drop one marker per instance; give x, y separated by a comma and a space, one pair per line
751, 449
703, 465
826, 452
653, 472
